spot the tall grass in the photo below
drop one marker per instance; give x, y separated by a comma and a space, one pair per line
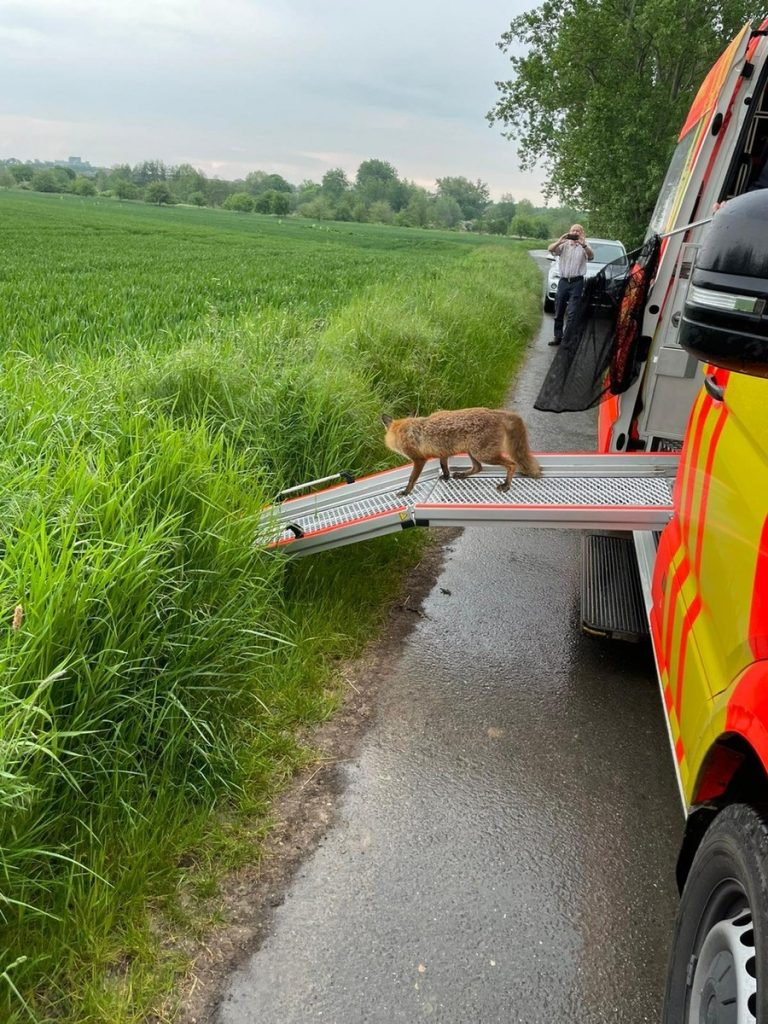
154, 663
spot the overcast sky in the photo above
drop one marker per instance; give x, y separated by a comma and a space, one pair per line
287, 86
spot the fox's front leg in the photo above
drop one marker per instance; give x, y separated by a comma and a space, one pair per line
445, 473
418, 465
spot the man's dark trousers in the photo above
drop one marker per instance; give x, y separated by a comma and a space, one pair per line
569, 291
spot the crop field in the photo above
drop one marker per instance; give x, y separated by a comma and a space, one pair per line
164, 372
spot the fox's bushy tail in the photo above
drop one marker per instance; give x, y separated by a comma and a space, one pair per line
519, 448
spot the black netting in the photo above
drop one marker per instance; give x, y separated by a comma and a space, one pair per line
600, 353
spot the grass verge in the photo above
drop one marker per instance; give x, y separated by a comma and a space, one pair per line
160, 665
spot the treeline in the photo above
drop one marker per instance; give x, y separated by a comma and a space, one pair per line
599, 91
376, 195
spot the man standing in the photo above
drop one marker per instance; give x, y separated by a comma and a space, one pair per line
574, 252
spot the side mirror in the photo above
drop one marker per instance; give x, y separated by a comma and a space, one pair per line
725, 317
551, 258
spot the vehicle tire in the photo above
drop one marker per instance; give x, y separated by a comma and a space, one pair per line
718, 966
549, 306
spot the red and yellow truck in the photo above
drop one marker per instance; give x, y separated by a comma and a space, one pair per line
704, 388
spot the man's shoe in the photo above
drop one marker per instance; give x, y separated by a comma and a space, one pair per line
555, 341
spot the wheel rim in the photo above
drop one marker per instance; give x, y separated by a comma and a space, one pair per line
724, 988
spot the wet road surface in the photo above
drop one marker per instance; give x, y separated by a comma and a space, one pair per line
505, 844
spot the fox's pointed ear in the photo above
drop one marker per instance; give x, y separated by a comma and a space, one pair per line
386, 420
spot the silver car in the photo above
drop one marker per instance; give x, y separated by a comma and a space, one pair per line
606, 250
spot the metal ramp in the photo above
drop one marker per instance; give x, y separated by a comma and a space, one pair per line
575, 491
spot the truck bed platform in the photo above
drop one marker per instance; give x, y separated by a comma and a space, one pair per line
575, 491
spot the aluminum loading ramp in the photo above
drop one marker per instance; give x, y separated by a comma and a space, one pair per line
575, 491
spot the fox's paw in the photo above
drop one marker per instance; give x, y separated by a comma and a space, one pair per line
503, 486
461, 474
403, 494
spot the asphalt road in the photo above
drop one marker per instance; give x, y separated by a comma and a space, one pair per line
505, 844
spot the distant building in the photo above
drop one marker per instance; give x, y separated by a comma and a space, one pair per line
78, 164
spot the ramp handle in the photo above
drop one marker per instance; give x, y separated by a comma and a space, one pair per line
713, 389
348, 478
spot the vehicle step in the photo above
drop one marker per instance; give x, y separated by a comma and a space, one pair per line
612, 603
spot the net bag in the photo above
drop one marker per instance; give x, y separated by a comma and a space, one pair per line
602, 351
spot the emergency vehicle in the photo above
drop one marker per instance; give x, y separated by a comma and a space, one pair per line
706, 323
678, 492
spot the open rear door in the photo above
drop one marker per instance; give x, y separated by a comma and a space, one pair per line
699, 166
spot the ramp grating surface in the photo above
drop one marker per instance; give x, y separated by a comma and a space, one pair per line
555, 491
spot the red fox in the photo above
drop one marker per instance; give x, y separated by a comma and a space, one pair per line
485, 434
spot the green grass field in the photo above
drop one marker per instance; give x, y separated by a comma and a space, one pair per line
164, 372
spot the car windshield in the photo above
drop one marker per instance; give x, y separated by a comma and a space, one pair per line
605, 252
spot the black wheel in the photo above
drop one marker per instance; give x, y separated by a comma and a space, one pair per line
549, 306
718, 967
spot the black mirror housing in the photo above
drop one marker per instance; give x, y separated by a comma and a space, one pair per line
725, 318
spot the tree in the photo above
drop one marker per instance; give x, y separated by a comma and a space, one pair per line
335, 184
272, 202
374, 180
217, 191
197, 198
253, 182
281, 204
497, 216
416, 213
344, 209
120, 173
21, 172
380, 213
494, 222
126, 189
317, 209
399, 194
241, 202
262, 203
277, 183
259, 181
522, 225
471, 197
148, 171
158, 192
308, 190
601, 92
187, 180
83, 187
446, 212
49, 181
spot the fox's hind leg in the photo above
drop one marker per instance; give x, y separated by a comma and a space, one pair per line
498, 459
462, 474
445, 473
